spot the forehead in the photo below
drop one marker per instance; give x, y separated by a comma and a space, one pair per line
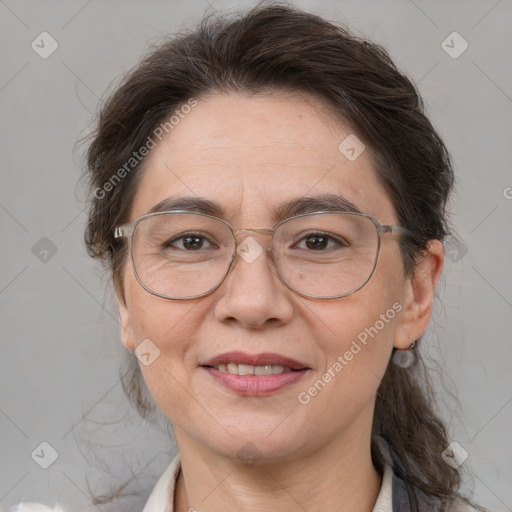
252, 153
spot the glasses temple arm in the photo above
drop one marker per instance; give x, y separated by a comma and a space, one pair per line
395, 230
125, 230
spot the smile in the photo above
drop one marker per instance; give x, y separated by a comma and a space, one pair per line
249, 369
254, 374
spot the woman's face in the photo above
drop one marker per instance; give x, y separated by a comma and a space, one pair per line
250, 154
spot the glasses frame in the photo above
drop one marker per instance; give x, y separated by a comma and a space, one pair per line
126, 231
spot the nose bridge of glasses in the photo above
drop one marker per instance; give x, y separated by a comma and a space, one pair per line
261, 231
257, 231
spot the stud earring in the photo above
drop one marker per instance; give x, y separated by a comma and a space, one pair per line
405, 358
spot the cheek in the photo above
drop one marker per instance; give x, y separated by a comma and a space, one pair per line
362, 341
165, 330
154, 317
356, 339
355, 343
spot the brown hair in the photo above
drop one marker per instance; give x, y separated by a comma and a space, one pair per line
279, 47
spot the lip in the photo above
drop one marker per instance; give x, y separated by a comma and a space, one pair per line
255, 385
263, 359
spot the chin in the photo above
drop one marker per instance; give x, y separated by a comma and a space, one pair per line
251, 452
249, 443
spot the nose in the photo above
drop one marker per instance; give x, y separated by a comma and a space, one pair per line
252, 293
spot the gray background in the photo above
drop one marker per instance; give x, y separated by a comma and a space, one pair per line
60, 349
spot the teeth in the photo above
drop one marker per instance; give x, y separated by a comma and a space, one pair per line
264, 370
232, 368
248, 369
245, 369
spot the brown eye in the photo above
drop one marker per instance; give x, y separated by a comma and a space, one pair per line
189, 242
319, 242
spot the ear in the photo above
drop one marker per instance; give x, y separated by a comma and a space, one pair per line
418, 297
126, 329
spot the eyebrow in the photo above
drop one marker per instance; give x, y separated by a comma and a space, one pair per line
192, 204
290, 208
310, 204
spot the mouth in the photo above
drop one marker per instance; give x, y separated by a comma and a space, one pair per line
254, 375
241, 363
249, 369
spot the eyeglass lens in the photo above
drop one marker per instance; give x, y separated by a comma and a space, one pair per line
321, 255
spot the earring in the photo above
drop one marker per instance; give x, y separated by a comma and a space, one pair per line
405, 358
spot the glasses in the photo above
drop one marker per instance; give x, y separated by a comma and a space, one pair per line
184, 255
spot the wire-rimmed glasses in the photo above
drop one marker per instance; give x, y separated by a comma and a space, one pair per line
182, 255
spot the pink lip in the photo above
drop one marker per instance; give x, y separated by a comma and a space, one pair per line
255, 385
255, 360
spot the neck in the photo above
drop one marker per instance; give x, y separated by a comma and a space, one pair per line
338, 477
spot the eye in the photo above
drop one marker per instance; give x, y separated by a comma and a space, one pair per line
189, 242
320, 242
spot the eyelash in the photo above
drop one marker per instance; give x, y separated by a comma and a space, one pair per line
297, 240
329, 236
187, 235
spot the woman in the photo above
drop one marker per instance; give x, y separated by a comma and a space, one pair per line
270, 198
